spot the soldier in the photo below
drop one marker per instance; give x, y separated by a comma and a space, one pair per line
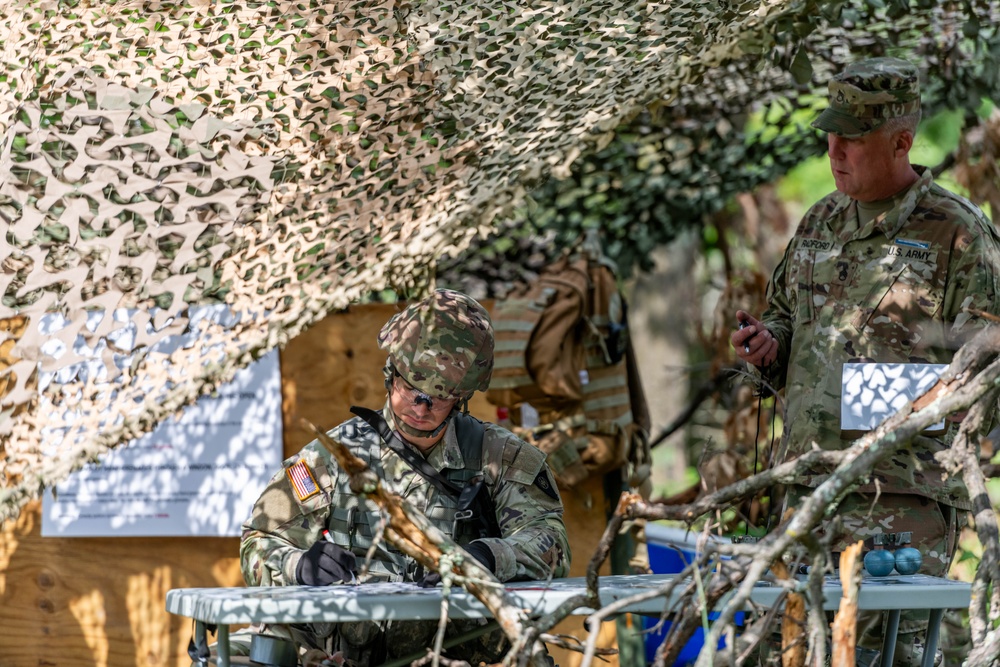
884, 269
440, 351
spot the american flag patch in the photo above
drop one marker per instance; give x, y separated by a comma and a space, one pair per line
303, 481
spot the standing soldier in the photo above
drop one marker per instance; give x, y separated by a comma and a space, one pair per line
440, 351
886, 269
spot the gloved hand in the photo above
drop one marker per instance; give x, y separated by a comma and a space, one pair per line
325, 563
477, 550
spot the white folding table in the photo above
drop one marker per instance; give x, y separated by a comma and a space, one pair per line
223, 607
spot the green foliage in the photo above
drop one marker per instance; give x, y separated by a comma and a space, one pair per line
649, 185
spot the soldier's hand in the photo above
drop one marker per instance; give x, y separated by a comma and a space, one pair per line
477, 550
753, 342
325, 563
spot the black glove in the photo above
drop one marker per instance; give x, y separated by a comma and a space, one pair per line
325, 563
477, 550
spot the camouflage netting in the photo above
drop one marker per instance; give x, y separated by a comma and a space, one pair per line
284, 159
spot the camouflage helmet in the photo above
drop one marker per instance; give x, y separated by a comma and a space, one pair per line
442, 345
868, 93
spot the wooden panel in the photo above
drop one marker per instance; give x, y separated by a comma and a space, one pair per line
99, 602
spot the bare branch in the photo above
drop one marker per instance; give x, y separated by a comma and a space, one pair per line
845, 625
970, 380
745, 488
793, 625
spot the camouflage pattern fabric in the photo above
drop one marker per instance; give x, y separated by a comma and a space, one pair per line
868, 93
442, 345
892, 290
287, 519
934, 532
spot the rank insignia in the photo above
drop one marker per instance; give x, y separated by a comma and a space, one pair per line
303, 481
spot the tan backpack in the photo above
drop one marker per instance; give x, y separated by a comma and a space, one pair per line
539, 352
564, 371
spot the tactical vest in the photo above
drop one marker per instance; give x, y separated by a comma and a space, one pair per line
538, 353
354, 521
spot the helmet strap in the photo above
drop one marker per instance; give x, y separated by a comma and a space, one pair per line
403, 427
388, 371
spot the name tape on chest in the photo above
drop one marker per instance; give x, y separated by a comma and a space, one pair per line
815, 245
303, 482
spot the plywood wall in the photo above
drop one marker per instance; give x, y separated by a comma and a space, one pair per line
99, 602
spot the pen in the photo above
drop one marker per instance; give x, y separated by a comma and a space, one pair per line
329, 538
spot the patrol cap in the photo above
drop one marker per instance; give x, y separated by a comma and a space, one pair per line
868, 93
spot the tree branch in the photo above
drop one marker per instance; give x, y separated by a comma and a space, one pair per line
972, 379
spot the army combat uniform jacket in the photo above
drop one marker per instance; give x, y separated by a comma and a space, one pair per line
311, 494
893, 291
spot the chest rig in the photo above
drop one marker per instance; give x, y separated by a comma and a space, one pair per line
354, 522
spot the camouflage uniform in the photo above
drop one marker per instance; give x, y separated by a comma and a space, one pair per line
290, 516
892, 289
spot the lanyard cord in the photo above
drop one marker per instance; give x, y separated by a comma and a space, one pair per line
766, 371
770, 452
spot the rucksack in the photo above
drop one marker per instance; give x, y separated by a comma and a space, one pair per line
539, 353
564, 369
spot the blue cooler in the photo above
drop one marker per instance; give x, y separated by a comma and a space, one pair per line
670, 550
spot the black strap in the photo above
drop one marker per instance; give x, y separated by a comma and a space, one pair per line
415, 461
470, 432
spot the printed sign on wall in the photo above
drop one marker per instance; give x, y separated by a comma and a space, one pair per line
195, 475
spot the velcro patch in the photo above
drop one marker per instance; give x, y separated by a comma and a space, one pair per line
303, 481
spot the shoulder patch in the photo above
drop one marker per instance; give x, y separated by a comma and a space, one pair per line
544, 482
303, 481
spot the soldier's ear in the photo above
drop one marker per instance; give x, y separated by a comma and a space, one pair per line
902, 143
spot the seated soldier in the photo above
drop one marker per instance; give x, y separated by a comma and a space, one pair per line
440, 351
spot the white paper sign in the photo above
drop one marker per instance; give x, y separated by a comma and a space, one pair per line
198, 474
873, 392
